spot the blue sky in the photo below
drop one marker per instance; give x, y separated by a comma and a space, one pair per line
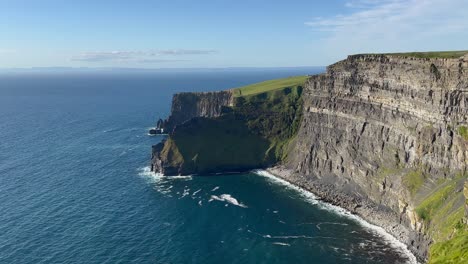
221, 33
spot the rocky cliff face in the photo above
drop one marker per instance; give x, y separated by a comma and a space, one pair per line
383, 136
385, 133
189, 105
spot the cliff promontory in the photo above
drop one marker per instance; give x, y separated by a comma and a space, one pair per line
382, 135
246, 128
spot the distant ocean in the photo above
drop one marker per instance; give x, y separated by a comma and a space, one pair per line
75, 185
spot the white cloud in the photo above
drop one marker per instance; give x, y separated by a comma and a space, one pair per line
137, 56
391, 25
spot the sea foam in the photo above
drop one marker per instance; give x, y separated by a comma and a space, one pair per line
311, 198
227, 198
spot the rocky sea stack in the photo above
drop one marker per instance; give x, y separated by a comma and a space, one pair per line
382, 135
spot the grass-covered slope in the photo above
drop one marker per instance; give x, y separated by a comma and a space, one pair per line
269, 86
255, 132
443, 214
274, 115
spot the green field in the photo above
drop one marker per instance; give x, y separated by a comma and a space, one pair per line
271, 85
429, 54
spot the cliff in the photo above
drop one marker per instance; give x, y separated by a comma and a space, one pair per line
252, 131
382, 135
385, 132
186, 106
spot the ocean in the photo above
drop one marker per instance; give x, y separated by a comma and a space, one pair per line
75, 185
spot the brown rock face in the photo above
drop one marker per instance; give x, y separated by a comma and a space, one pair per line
372, 119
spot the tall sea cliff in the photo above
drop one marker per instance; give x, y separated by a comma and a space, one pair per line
382, 135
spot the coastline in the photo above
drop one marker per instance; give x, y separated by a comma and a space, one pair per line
367, 215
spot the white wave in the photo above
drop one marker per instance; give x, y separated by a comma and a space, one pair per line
183, 177
310, 197
289, 237
157, 177
185, 193
227, 198
151, 175
215, 188
281, 244
326, 223
194, 193
323, 223
293, 236
306, 195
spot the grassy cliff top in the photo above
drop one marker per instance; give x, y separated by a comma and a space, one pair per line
426, 55
270, 85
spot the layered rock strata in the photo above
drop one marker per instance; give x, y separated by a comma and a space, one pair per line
383, 136
382, 132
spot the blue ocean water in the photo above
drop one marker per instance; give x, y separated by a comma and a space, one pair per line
75, 186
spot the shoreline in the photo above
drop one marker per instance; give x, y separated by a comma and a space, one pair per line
368, 216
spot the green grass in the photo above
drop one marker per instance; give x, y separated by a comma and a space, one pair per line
448, 220
271, 85
463, 132
275, 115
429, 207
453, 251
442, 212
429, 54
413, 181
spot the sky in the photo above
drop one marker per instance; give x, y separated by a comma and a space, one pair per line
221, 33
